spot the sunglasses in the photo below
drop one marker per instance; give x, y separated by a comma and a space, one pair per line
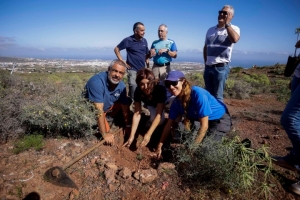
169, 83
223, 12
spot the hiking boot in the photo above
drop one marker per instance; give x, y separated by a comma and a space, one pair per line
280, 161
295, 188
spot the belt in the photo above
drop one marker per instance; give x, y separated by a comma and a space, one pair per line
165, 64
219, 65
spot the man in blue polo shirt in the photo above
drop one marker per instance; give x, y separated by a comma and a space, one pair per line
137, 54
108, 93
162, 51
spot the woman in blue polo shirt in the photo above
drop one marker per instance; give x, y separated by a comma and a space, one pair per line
193, 103
154, 96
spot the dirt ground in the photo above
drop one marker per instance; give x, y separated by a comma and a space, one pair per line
102, 173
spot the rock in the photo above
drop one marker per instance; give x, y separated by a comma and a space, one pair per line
146, 176
111, 166
109, 176
166, 166
125, 173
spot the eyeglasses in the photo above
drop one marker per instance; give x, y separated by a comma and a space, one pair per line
223, 12
169, 83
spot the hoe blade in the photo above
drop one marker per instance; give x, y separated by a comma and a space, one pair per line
57, 176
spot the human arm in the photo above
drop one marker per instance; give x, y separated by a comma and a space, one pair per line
233, 35
119, 56
108, 137
135, 122
164, 136
156, 121
203, 129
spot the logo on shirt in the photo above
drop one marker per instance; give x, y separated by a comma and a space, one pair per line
117, 94
167, 46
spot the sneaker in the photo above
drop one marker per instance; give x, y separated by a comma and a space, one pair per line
280, 161
295, 188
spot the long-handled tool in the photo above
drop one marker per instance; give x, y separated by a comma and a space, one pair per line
57, 176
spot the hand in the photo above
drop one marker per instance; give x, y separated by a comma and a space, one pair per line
128, 143
145, 140
158, 151
109, 138
162, 51
152, 52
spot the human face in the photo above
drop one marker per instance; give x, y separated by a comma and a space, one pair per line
162, 33
116, 73
174, 87
225, 16
144, 86
140, 31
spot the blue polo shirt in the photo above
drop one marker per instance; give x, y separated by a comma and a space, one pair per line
97, 91
163, 44
136, 52
202, 104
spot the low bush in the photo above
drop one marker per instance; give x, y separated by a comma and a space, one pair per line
34, 141
229, 166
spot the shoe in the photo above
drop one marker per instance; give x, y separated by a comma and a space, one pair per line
282, 163
295, 188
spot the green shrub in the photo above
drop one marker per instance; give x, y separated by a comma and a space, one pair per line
29, 141
229, 166
236, 69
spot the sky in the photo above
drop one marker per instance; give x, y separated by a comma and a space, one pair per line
90, 29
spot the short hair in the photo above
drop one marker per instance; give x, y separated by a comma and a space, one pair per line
136, 25
231, 9
117, 61
166, 27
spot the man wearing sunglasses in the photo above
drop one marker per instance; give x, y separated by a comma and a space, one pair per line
217, 51
162, 51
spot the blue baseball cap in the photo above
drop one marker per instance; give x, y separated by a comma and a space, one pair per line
174, 75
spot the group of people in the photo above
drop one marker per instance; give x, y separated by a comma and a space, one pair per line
151, 88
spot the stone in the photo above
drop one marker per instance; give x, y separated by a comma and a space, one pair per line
111, 166
148, 175
125, 173
109, 176
166, 166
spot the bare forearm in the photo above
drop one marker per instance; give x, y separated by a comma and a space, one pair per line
135, 122
154, 125
101, 124
233, 36
165, 133
201, 134
173, 54
118, 54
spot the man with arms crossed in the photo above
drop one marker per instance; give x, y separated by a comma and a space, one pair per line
162, 51
137, 54
217, 52
107, 92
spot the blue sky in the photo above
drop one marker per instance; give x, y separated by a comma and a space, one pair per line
92, 28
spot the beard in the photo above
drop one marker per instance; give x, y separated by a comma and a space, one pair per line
113, 81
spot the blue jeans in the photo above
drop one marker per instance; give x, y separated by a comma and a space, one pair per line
290, 120
295, 83
131, 82
215, 78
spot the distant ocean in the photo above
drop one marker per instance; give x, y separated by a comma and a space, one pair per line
235, 62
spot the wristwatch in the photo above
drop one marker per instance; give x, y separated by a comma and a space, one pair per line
227, 25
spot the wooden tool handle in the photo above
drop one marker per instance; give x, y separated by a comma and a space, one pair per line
65, 166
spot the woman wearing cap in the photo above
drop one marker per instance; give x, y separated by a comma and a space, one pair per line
194, 104
153, 96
